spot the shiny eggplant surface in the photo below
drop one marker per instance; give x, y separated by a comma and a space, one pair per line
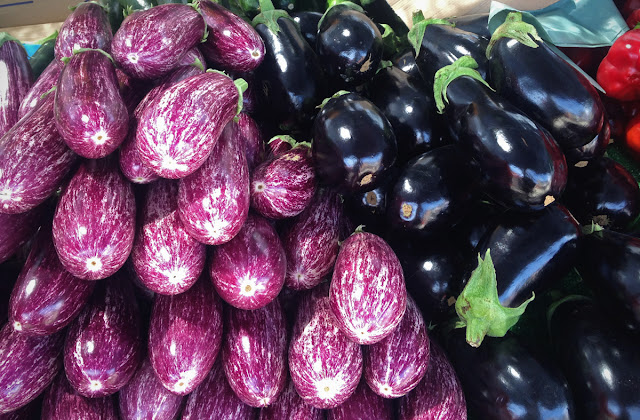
581, 156
370, 207
406, 62
477, 23
308, 23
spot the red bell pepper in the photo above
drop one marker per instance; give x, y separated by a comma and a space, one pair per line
619, 71
632, 135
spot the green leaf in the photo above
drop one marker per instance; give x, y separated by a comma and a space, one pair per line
514, 27
242, 86
479, 308
51, 37
5, 37
463, 66
416, 34
106, 54
335, 95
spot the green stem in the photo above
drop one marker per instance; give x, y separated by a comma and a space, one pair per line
51, 37
335, 95
4, 37
416, 34
464, 66
106, 54
514, 27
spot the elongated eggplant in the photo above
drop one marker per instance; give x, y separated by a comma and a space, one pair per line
16, 230
599, 359
44, 55
248, 272
47, 80
363, 404
147, 53
167, 259
62, 402
353, 144
103, 348
527, 73
308, 24
289, 405
86, 27
34, 160
17, 80
94, 224
28, 364
90, 112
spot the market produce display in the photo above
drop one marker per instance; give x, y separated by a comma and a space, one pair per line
249, 210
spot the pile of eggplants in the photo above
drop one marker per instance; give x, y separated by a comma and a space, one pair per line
235, 210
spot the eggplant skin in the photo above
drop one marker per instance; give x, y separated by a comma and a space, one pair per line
62, 402
17, 78
363, 404
86, 27
47, 80
289, 405
17, 229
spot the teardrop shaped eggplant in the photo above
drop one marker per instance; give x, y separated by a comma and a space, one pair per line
16, 230
86, 27
94, 224
17, 79
166, 258
363, 404
103, 348
289, 405
47, 80
185, 336
62, 402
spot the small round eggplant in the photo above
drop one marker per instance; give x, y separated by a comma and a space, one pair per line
308, 23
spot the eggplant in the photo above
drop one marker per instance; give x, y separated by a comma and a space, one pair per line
115, 12
593, 150
308, 24
44, 55
289, 405
62, 402
16, 230
526, 72
17, 80
247, 129
86, 27
354, 145
599, 359
47, 80
382, 12
406, 62
476, 23
370, 207
363, 404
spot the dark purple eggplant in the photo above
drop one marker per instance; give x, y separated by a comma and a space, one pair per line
363, 404
248, 272
34, 160
47, 80
103, 348
17, 79
250, 96
478, 23
353, 144
16, 230
86, 27
144, 397
166, 258
528, 73
308, 24
289, 405
94, 224
349, 45
600, 360
185, 335
247, 129
406, 62
150, 43
62, 402
581, 156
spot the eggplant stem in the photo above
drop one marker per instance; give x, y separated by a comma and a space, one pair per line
464, 66
514, 27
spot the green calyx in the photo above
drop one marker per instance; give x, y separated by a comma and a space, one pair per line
514, 27
288, 139
479, 308
53, 89
383, 65
591, 229
269, 16
416, 34
73, 8
81, 50
463, 66
242, 86
4, 37
335, 95
198, 64
51, 37
345, 4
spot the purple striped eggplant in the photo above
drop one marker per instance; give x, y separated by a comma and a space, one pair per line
34, 160
311, 242
16, 230
439, 396
363, 404
232, 43
26, 412
46, 297
150, 43
144, 397
185, 336
193, 57
368, 296
28, 364
103, 347
132, 90
289, 405
248, 271
214, 399
254, 353
90, 112
325, 366
62, 402
86, 27
213, 202
94, 224
178, 129
16, 79
47, 80
166, 258
283, 185
395, 365
248, 130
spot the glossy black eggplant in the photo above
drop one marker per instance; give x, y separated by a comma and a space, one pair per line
43, 55
406, 62
600, 360
581, 156
308, 24
380, 11
543, 85
482, 218
476, 23
349, 45
353, 144
503, 380
531, 251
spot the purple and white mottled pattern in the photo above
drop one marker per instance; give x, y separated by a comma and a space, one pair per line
439, 396
166, 258
46, 297
395, 365
47, 80
214, 399
90, 112
34, 160
185, 336
86, 27
325, 366
232, 43
283, 185
368, 296
213, 202
28, 364
16, 229
364, 404
62, 402
150, 43
277, 146
15, 81
28, 412
103, 348
311, 241
191, 58
132, 90
94, 224
144, 397
289, 406
248, 130
178, 129
254, 353
248, 271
